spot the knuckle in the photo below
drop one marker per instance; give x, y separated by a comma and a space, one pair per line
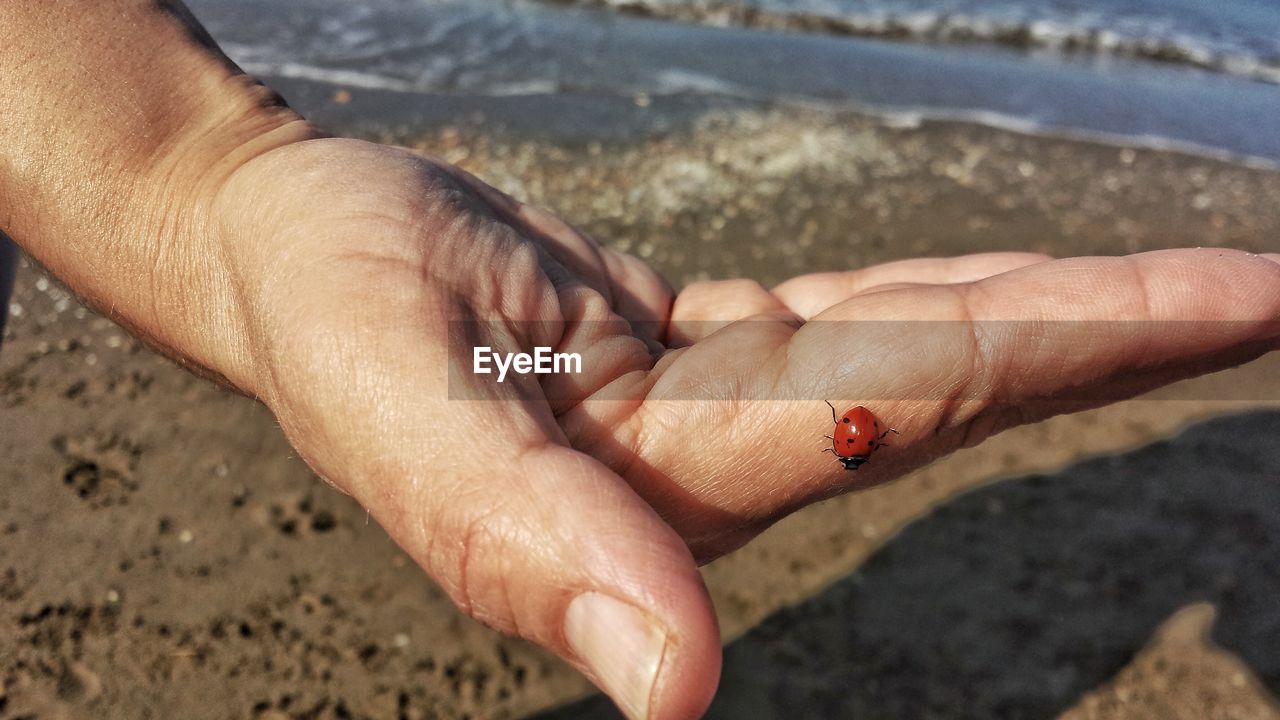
580, 303
711, 299
713, 288
972, 390
472, 551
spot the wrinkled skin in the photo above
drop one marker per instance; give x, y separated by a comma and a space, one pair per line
347, 261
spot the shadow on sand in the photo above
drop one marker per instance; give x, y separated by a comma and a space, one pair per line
1014, 600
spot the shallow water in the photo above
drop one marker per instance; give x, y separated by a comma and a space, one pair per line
1239, 37
508, 47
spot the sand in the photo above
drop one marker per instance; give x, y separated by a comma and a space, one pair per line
165, 555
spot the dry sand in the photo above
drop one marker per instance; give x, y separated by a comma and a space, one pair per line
165, 556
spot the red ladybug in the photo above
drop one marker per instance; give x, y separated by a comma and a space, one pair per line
857, 435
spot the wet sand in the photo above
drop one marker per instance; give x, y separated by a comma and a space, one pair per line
165, 555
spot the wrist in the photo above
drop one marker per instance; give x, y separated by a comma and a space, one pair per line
176, 280
199, 311
122, 120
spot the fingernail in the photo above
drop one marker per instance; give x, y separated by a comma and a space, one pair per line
620, 644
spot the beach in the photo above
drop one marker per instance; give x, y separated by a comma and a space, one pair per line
166, 555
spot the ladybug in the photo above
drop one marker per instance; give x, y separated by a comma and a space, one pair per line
857, 435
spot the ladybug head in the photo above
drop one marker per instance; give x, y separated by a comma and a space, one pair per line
852, 463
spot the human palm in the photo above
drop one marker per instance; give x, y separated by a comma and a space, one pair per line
564, 508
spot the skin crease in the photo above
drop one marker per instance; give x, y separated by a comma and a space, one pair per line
320, 275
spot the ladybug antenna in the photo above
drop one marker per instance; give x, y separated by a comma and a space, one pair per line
833, 411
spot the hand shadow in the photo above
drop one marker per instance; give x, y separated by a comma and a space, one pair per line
1014, 600
8, 268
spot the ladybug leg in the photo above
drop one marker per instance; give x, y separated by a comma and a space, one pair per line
885, 434
833, 411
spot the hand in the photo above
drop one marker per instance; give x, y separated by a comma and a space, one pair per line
350, 260
547, 509
947, 351
322, 276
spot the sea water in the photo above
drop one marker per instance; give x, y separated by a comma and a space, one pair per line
1200, 76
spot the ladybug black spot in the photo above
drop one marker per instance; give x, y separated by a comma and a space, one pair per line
849, 441
847, 421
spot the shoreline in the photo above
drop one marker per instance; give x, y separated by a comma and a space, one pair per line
942, 27
498, 56
849, 188
620, 118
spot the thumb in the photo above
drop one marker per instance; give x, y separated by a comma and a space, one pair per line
557, 549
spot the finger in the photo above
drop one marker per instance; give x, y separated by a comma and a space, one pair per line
608, 353
640, 294
633, 289
1133, 312
809, 295
562, 241
567, 556
523, 533
545, 543
705, 307
1119, 326
1123, 386
1054, 328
